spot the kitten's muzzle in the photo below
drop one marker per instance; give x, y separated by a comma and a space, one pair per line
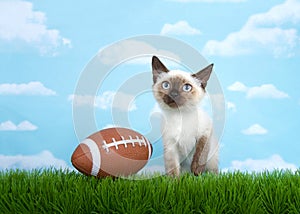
169, 101
174, 94
173, 99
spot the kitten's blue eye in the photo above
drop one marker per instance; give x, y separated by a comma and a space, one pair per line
165, 85
187, 87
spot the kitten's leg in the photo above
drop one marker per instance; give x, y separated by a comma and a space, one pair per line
200, 156
172, 164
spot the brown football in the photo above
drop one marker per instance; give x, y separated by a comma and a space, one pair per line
112, 152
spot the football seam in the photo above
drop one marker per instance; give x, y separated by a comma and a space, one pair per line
140, 141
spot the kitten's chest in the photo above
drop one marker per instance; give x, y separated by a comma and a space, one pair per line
182, 129
180, 138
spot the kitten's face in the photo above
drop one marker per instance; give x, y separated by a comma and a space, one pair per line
178, 89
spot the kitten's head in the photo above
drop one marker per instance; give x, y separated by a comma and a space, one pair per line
178, 89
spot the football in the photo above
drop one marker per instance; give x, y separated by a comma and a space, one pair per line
112, 152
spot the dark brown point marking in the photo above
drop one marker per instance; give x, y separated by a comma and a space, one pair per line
197, 167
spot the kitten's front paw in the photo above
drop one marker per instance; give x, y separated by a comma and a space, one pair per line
197, 169
173, 173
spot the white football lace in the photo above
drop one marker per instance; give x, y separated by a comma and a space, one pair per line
141, 141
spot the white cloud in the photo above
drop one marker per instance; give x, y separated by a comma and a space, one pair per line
108, 99
263, 91
128, 48
105, 100
209, 1
26, 126
67, 42
82, 100
31, 88
272, 163
231, 106
266, 91
146, 60
156, 109
23, 126
7, 126
45, 159
275, 40
262, 32
179, 28
20, 23
255, 129
109, 126
287, 12
237, 86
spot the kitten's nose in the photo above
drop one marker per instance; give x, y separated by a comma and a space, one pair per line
174, 93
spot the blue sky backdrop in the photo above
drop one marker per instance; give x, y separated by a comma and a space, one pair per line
45, 45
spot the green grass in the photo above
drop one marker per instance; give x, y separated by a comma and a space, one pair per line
54, 191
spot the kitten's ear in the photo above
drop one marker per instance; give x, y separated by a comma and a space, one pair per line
204, 75
157, 68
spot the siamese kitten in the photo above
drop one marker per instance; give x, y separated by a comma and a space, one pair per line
188, 140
